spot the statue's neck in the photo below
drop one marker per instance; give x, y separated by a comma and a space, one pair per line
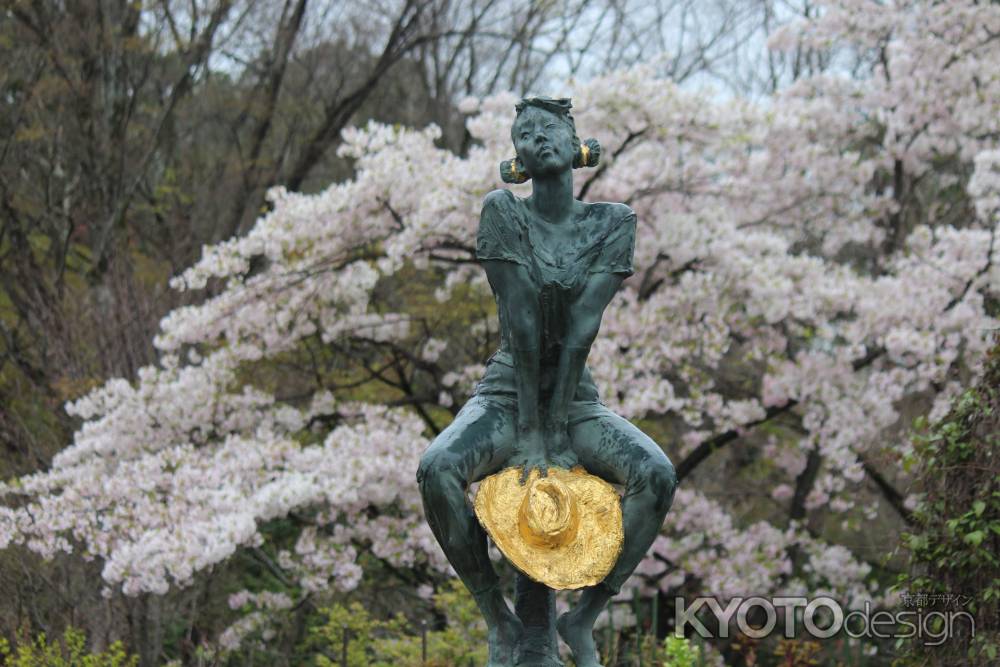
552, 196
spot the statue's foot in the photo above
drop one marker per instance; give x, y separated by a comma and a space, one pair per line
537, 653
579, 636
503, 640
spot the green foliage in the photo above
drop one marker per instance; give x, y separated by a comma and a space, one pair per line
679, 652
671, 652
71, 652
396, 641
954, 548
461, 642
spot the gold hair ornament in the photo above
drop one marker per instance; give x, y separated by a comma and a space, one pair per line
512, 171
589, 154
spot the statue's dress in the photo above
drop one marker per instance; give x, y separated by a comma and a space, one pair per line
482, 438
602, 242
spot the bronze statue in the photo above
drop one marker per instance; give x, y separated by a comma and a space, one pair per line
553, 263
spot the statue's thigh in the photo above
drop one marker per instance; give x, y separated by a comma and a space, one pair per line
612, 448
476, 444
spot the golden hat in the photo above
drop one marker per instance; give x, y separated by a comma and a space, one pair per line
563, 530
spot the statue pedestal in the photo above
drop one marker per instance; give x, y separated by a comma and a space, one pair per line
535, 605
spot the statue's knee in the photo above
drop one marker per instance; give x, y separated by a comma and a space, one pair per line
425, 471
661, 481
434, 474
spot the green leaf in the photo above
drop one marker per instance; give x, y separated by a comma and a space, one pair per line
979, 507
975, 538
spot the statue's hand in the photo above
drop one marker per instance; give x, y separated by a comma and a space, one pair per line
531, 454
560, 452
565, 459
529, 462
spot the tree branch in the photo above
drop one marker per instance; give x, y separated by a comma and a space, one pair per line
891, 494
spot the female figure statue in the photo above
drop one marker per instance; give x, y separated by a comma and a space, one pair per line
553, 263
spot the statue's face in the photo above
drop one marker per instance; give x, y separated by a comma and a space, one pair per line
543, 141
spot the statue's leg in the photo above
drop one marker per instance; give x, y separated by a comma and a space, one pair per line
535, 605
476, 444
612, 448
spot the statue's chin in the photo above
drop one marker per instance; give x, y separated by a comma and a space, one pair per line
549, 163
549, 168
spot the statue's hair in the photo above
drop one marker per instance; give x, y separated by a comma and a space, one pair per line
557, 107
586, 154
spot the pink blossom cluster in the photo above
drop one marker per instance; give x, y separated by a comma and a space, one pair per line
703, 548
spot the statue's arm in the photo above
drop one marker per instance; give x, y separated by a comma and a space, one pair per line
516, 294
499, 248
585, 313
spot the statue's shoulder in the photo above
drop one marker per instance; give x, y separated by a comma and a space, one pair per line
500, 225
499, 200
614, 212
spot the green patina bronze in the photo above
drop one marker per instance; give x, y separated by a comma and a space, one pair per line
554, 263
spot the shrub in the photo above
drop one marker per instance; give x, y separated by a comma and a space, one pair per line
71, 652
397, 642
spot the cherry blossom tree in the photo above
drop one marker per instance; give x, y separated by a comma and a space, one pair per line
812, 269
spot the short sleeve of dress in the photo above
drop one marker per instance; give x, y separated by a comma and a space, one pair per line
500, 235
618, 248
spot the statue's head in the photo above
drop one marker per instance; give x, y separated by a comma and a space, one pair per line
545, 140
